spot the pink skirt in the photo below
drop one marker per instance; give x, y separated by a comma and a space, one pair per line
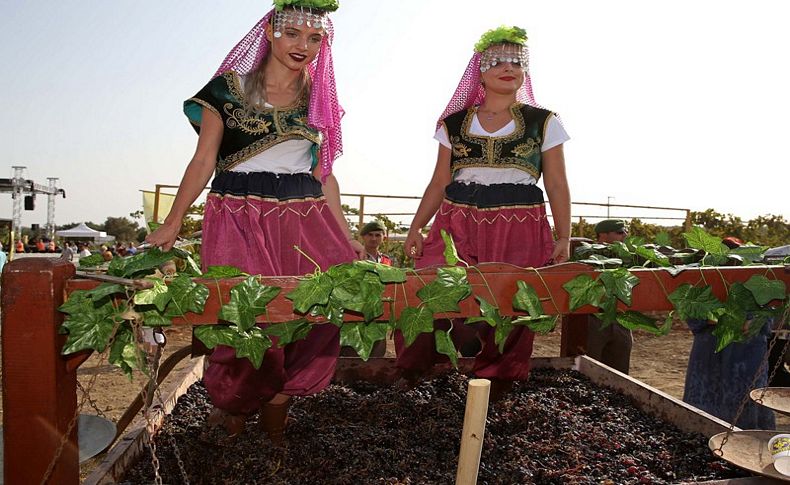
253, 221
502, 223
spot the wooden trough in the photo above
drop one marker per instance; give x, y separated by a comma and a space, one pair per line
39, 384
382, 370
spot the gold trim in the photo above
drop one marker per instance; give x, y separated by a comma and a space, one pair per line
261, 145
205, 105
488, 209
216, 203
451, 209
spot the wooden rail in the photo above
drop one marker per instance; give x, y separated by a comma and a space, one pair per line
39, 385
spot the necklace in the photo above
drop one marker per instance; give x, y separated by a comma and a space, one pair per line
489, 115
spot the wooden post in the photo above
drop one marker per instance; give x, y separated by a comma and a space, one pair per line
39, 393
157, 193
474, 431
361, 213
573, 340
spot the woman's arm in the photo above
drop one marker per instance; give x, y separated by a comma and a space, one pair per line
430, 203
197, 175
331, 191
556, 183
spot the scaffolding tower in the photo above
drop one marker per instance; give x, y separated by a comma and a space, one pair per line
24, 191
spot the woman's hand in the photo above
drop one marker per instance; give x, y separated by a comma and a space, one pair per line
413, 245
561, 251
164, 236
358, 248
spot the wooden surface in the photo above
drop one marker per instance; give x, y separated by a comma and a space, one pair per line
473, 431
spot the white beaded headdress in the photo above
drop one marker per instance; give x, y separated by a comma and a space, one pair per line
298, 16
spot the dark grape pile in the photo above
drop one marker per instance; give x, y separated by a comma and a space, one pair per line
556, 428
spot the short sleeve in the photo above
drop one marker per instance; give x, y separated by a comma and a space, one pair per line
210, 97
555, 134
442, 137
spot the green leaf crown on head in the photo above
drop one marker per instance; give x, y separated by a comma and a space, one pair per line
325, 5
511, 35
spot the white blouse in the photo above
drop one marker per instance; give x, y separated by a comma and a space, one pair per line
555, 135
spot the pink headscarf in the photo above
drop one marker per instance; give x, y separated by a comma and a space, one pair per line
470, 91
324, 113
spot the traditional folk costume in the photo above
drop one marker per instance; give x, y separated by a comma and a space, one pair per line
493, 208
264, 201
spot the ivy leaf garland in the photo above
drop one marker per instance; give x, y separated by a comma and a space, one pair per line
363, 336
248, 300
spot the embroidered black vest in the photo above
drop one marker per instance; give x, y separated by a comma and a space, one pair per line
247, 134
520, 149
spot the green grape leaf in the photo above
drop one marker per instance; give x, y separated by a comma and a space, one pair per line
445, 292
124, 353
502, 331
602, 261
104, 290
252, 344
89, 329
221, 272
186, 296
765, 290
633, 320
386, 274
153, 318
609, 314
583, 290
752, 254
312, 291
140, 263
663, 239
360, 291
696, 303
414, 321
289, 332
699, 239
619, 283
541, 325
91, 261
158, 296
526, 300
653, 255
77, 302
445, 346
333, 311
363, 336
248, 299
213, 335
450, 253
621, 251
632, 242
192, 268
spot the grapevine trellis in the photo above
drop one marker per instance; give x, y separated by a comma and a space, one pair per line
41, 352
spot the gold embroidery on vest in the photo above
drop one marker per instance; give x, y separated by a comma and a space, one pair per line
526, 149
239, 118
459, 149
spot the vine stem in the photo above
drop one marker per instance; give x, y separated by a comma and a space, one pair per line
485, 282
299, 250
545, 285
661, 285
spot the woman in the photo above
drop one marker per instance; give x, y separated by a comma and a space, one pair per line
269, 125
495, 143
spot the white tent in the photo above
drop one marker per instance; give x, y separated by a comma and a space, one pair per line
84, 232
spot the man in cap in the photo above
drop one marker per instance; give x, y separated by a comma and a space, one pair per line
610, 344
372, 235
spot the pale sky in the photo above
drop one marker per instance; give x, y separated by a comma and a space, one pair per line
671, 103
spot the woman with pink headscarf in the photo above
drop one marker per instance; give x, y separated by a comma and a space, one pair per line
495, 142
269, 131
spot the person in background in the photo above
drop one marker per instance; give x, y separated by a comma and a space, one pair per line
84, 251
718, 382
609, 342
132, 249
20, 246
373, 234
67, 252
3, 258
495, 142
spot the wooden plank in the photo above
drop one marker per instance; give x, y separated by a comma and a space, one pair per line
132, 445
39, 393
496, 282
651, 400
